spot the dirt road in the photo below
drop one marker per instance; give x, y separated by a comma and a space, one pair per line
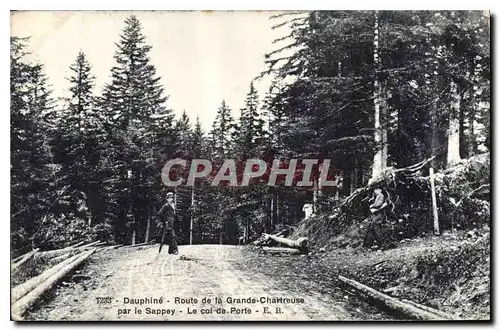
117, 284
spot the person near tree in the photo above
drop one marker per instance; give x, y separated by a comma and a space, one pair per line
168, 217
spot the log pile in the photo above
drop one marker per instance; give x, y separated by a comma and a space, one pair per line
63, 262
29, 292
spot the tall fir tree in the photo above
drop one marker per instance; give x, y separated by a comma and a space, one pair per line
79, 142
251, 126
34, 177
141, 134
223, 130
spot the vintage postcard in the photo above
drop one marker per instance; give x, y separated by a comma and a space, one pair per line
250, 165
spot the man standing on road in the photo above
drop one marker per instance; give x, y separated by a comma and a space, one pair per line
168, 217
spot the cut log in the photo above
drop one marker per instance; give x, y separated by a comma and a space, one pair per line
60, 258
281, 250
20, 306
26, 257
301, 243
394, 304
106, 248
263, 240
139, 245
90, 244
259, 241
432, 310
19, 258
78, 244
21, 290
56, 252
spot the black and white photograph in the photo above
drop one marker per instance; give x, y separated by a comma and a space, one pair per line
294, 165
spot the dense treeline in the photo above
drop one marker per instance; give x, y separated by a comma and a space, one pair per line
368, 90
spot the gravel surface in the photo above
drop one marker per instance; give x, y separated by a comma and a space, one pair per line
116, 284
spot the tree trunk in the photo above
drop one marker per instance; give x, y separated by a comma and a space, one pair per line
434, 141
320, 182
472, 134
453, 128
191, 217
315, 195
383, 124
464, 148
26, 257
380, 147
281, 250
301, 243
272, 212
148, 226
354, 172
277, 219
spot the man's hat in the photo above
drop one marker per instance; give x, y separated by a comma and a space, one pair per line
170, 194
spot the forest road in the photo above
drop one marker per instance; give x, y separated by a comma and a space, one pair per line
119, 276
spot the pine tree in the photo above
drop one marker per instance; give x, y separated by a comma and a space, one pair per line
134, 92
223, 130
184, 137
198, 139
140, 133
34, 178
251, 126
79, 141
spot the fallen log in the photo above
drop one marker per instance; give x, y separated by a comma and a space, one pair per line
262, 240
92, 244
20, 257
106, 248
78, 244
432, 310
21, 290
281, 250
404, 308
16, 259
26, 257
20, 306
60, 258
259, 241
139, 245
56, 252
302, 243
